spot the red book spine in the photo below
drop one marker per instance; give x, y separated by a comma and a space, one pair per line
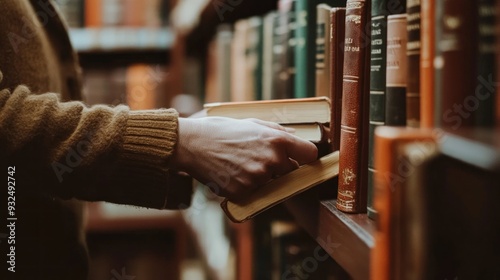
352, 191
337, 35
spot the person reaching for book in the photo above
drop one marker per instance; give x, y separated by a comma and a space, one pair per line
62, 152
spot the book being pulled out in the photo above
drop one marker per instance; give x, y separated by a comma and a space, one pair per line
310, 119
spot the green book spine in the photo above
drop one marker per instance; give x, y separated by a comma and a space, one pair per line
305, 48
304, 37
378, 56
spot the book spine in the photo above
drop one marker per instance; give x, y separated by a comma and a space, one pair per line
337, 35
455, 63
395, 104
378, 60
414, 202
285, 46
224, 38
322, 50
238, 62
485, 116
352, 189
426, 63
391, 179
267, 55
92, 14
413, 57
280, 39
253, 54
304, 58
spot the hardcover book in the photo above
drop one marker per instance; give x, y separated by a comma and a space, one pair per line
323, 50
378, 61
283, 188
337, 35
352, 189
426, 63
413, 57
295, 110
395, 103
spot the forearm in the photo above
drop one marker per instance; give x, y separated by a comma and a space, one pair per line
99, 153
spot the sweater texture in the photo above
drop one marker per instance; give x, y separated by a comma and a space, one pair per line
65, 152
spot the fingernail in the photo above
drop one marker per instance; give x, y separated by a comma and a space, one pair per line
289, 129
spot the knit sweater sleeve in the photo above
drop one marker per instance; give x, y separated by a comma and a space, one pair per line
103, 153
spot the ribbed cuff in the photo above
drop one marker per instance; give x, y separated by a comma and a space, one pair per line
148, 143
150, 137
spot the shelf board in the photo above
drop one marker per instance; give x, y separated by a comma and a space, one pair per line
121, 46
108, 39
106, 217
121, 58
348, 238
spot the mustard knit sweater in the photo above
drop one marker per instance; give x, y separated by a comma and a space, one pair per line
65, 152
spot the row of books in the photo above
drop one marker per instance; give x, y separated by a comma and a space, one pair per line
397, 63
97, 13
140, 86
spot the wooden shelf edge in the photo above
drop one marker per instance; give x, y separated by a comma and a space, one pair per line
347, 238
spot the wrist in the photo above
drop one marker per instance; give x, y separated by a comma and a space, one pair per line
182, 154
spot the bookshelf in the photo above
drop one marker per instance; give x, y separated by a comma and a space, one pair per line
355, 233
121, 46
347, 238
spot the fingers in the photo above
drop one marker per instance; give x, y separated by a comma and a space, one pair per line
301, 150
286, 167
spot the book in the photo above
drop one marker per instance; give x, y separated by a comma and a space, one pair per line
455, 63
283, 188
223, 39
323, 50
72, 12
314, 132
413, 201
211, 90
390, 179
253, 56
451, 226
427, 40
239, 78
285, 62
413, 64
485, 113
337, 35
300, 110
395, 102
352, 189
269, 26
378, 61
305, 57
305, 13
93, 13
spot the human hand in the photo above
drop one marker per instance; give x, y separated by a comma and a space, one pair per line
233, 157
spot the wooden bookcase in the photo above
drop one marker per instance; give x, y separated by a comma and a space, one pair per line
348, 238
